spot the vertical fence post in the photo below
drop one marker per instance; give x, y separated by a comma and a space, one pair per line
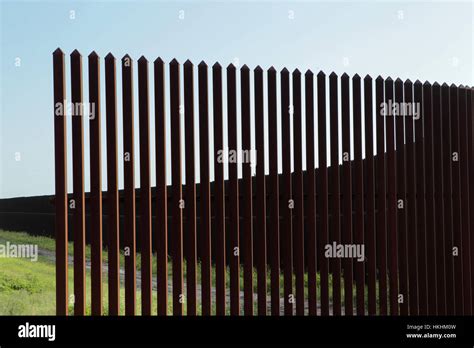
177, 202
112, 186
447, 194
233, 193
358, 192
430, 207
298, 230
190, 239
456, 182
347, 192
439, 200
96, 184
205, 193
401, 199
369, 187
145, 188
129, 185
391, 197
247, 213
78, 185
219, 189
310, 190
322, 204
261, 197
381, 197
335, 234
161, 188
60, 160
411, 200
420, 203
464, 168
470, 135
286, 203
274, 232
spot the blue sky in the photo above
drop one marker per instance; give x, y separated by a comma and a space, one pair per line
418, 40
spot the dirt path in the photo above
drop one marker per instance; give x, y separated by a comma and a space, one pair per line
50, 255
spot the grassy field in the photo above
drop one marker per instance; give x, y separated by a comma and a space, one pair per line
28, 288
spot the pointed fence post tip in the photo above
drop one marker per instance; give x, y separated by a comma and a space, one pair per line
271, 70
158, 61
188, 63
142, 60
296, 72
93, 55
345, 76
216, 65
231, 67
174, 62
368, 77
127, 62
58, 51
356, 77
308, 72
109, 56
127, 59
245, 67
202, 64
75, 53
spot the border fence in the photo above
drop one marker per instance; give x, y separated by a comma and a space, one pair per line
360, 202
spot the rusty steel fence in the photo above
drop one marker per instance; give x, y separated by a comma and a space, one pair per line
344, 166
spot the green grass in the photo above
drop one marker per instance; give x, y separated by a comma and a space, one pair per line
28, 288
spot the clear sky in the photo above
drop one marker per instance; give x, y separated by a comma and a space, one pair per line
418, 40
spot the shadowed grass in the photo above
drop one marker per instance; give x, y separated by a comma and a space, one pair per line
28, 288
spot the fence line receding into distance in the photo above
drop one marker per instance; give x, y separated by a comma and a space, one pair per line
384, 229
